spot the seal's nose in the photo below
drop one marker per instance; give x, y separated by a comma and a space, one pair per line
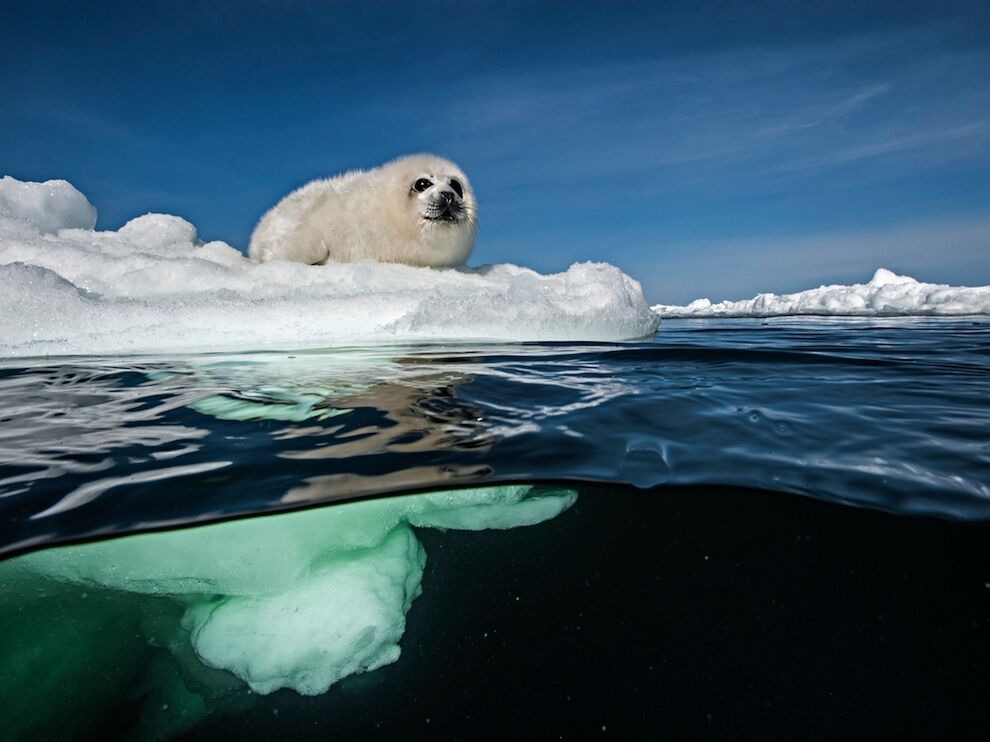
447, 196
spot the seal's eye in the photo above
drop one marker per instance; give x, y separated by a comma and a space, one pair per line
456, 185
421, 185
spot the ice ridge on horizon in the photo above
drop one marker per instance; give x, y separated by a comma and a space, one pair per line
887, 294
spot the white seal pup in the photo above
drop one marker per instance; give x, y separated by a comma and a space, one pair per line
417, 210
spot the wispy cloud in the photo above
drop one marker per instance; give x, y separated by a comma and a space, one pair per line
757, 113
939, 144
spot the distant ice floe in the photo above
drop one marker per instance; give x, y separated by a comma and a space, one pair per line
152, 286
886, 295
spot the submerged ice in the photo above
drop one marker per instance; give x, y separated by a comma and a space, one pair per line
153, 286
345, 616
885, 295
299, 600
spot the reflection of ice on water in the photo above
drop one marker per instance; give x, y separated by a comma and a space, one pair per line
418, 401
296, 601
321, 385
285, 387
416, 388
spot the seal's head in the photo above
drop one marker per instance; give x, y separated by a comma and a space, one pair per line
440, 198
437, 190
438, 203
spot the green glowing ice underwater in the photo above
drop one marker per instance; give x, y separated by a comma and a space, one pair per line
298, 601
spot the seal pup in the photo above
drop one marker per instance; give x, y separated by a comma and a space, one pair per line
418, 210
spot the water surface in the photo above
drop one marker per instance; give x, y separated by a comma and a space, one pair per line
889, 414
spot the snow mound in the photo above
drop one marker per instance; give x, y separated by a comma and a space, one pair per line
886, 295
48, 206
152, 286
153, 232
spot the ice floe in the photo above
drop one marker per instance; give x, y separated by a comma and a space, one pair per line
886, 295
152, 286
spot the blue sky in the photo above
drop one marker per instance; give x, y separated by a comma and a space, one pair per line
708, 149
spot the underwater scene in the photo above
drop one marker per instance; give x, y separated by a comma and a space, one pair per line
736, 527
495, 370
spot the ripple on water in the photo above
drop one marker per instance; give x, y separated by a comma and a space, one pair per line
886, 414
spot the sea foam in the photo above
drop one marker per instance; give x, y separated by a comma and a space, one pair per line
153, 286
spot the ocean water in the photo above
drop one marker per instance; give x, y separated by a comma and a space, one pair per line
737, 527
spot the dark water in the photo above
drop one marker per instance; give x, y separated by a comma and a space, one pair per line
678, 614
709, 579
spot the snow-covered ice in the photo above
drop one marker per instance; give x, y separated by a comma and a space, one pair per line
886, 295
152, 286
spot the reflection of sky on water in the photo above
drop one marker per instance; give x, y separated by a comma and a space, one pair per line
76, 418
